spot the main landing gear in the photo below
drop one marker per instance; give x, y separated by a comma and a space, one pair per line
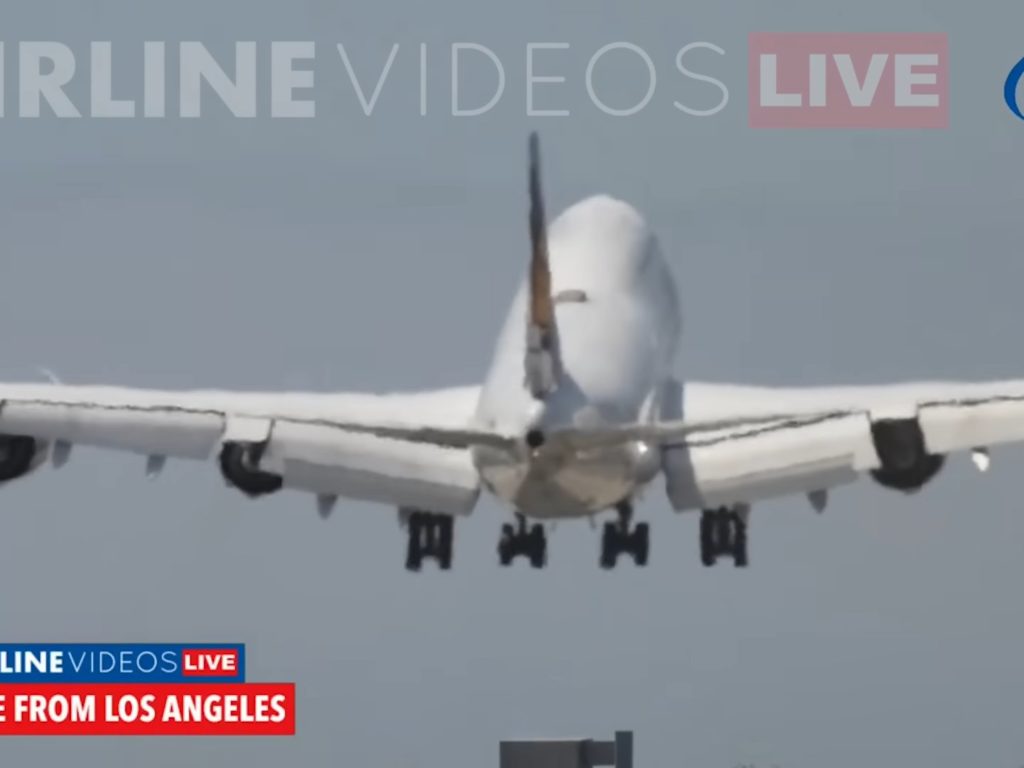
723, 531
430, 536
618, 539
518, 540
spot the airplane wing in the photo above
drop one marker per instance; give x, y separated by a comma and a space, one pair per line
898, 434
721, 444
265, 440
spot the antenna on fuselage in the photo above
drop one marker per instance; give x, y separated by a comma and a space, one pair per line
542, 357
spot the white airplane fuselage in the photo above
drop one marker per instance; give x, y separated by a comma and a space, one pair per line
619, 323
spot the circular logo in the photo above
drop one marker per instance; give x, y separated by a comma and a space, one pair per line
1010, 89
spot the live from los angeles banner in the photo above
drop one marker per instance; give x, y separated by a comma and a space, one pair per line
77, 689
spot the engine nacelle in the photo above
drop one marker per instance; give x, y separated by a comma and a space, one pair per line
906, 463
20, 455
240, 465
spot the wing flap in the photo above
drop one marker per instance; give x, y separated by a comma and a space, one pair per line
325, 460
743, 464
957, 426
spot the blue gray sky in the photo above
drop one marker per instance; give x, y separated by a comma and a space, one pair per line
354, 252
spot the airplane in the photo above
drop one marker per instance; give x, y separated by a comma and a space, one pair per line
579, 413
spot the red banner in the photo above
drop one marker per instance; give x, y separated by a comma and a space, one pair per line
167, 709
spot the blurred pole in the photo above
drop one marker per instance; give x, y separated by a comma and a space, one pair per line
623, 749
568, 753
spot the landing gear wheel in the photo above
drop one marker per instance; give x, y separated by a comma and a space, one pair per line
538, 547
622, 538
446, 532
707, 540
430, 536
609, 546
506, 553
739, 544
723, 531
641, 544
518, 540
414, 554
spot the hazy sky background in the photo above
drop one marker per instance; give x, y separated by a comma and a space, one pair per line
350, 252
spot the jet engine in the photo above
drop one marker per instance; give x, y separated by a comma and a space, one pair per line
240, 465
906, 463
19, 455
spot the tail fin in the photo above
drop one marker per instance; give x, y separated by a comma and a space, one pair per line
543, 361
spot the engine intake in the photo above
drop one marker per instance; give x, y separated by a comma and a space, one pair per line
906, 463
240, 465
17, 456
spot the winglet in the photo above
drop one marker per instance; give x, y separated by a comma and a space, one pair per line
50, 375
542, 363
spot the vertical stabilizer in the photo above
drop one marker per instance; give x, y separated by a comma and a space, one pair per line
542, 363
